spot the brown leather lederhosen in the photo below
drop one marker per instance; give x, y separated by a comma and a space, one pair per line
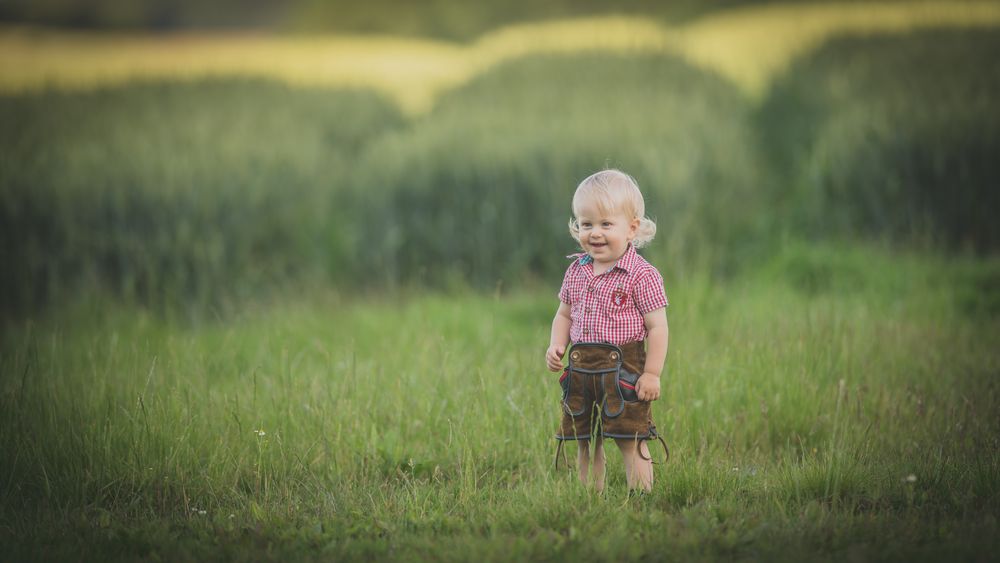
599, 395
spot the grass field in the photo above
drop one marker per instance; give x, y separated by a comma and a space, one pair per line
280, 298
851, 420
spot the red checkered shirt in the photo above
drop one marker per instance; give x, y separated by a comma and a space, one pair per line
610, 307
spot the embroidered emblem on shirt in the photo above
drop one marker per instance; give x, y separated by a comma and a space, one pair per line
618, 298
585, 259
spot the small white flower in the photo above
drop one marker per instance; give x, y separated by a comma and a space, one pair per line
260, 433
911, 478
202, 512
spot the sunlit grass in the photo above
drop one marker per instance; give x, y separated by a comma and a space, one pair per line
411, 71
748, 46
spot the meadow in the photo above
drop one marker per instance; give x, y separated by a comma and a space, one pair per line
254, 317
856, 420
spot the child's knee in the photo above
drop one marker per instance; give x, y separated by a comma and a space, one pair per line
626, 445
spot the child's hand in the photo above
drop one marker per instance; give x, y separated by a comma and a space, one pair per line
553, 357
648, 387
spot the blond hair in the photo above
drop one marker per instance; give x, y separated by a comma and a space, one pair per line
614, 191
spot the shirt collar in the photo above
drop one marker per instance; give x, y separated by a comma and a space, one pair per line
626, 262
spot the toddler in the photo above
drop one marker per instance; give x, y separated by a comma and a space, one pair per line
612, 302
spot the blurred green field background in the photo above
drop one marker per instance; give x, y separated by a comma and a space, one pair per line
199, 192
449, 19
253, 320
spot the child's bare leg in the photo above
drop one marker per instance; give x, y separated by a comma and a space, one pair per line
644, 467
583, 459
599, 464
638, 471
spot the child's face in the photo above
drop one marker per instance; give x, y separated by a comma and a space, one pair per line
605, 235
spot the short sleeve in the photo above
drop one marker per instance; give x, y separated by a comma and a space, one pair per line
565, 293
648, 292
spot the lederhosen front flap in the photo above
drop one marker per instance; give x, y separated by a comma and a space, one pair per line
599, 359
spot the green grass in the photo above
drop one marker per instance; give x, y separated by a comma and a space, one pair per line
165, 394
201, 195
176, 194
480, 189
890, 136
421, 427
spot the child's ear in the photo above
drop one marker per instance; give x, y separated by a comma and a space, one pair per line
633, 228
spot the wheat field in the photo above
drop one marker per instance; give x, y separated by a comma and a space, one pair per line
748, 46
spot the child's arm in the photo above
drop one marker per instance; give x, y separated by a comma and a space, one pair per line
657, 332
559, 339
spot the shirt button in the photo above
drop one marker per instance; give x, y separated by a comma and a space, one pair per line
591, 288
586, 310
586, 331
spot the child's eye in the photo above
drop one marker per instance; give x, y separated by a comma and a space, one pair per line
606, 224
585, 225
